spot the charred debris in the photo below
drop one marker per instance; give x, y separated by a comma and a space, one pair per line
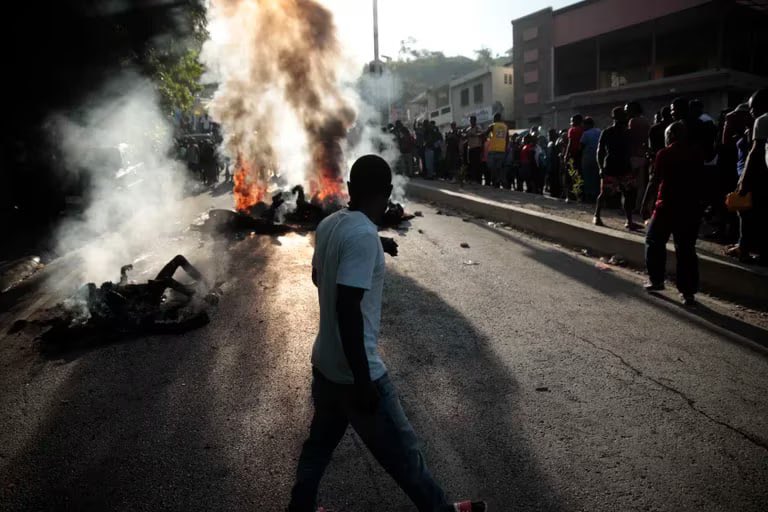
288, 212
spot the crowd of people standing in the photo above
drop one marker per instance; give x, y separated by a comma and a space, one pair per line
675, 172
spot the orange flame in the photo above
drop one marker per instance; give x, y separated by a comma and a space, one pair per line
247, 193
328, 190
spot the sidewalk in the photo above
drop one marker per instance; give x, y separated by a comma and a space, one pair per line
571, 225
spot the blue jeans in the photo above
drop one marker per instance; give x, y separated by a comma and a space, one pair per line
496, 165
429, 163
387, 433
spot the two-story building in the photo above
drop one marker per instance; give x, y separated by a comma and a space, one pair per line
483, 93
597, 54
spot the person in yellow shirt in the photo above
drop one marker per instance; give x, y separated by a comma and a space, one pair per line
497, 135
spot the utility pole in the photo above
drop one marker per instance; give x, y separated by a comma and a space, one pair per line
376, 34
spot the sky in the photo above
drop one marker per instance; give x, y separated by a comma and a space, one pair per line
455, 27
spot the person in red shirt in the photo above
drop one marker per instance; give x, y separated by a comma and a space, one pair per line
528, 163
677, 213
573, 150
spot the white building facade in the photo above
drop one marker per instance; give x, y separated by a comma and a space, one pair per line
482, 94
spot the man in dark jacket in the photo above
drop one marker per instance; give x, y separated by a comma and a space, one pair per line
677, 213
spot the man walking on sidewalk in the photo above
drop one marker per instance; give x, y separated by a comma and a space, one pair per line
677, 174
350, 383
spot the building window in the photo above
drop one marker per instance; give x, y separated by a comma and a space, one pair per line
445, 110
434, 114
510, 78
464, 97
530, 33
531, 77
478, 93
531, 56
531, 98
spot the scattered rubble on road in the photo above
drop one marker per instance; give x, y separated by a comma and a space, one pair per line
602, 266
464, 245
617, 260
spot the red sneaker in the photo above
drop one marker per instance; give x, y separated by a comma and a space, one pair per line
470, 506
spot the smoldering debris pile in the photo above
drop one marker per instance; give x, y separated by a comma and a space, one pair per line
288, 212
98, 314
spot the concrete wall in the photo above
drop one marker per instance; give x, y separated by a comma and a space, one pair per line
540, 46
503, 93
590, 19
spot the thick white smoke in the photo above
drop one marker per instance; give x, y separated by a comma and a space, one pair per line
117, 150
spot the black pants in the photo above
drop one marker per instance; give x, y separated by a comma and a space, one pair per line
684, 229
475, 156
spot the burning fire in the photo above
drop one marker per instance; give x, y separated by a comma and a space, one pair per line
247, 193
328, 190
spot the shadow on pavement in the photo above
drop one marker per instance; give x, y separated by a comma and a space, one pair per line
144, 425
609, 283
462, 401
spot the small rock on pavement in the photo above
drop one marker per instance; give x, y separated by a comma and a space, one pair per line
439, 212
465, 245
542, 389
418, 214
617, 260
421, 231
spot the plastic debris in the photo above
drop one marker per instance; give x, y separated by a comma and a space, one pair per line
617, 260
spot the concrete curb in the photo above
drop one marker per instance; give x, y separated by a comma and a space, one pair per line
718, 277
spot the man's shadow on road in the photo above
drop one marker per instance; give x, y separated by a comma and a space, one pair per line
454, 385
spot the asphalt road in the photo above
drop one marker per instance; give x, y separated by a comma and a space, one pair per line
535, 380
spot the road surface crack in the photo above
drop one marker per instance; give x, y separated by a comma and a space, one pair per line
690, 401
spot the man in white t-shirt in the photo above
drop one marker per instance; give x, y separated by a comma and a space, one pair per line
754, 179
350, 383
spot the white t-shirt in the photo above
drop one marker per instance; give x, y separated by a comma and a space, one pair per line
347, 251
761, 132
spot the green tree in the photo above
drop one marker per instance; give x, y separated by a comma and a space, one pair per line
484, 56
177, 78
174, 62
